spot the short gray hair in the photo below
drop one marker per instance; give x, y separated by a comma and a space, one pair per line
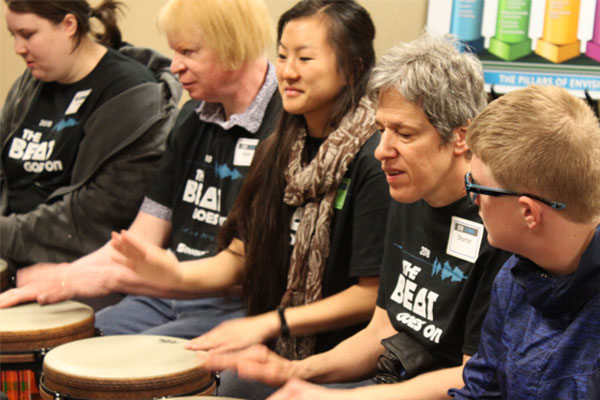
430, 71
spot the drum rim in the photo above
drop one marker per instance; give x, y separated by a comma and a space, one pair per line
19, 342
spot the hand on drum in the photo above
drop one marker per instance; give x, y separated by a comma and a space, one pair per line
296, 389
226, 336
256, 363
50, 283
37, 281
153, 263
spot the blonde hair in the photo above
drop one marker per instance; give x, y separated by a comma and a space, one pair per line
544, 141
237, 30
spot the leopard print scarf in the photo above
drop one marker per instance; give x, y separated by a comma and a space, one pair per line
314, 186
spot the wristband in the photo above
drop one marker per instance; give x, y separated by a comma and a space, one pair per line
285, 329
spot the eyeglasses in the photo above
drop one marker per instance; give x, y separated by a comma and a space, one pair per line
474, 189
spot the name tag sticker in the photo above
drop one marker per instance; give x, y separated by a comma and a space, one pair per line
77, 101
244, 151
465, 239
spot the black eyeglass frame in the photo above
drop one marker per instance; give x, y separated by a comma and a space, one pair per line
474, 189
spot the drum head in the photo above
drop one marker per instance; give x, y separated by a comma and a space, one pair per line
29, 327
125, 367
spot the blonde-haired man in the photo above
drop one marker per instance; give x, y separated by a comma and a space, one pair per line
536, 179
220, 58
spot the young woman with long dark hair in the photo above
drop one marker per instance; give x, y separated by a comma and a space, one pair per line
304, 238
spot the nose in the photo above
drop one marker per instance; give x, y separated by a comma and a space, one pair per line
19, 46
288, 69
385, 149
177, 65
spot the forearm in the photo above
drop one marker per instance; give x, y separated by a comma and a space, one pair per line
432, 385
353, 359
348, 307
213, 274
101, 256
125, 280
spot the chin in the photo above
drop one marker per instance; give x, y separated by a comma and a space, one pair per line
404, 197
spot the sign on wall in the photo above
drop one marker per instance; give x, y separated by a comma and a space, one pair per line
523, 42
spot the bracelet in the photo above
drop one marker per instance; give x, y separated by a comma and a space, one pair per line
285, 329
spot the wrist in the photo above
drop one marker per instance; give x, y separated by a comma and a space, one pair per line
284, 329
302, 369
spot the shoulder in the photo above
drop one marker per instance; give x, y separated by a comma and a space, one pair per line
187, 119
124, 70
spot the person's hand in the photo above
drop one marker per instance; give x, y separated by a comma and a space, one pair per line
32, 282
254, 363
37, 272
296, 389
50, 283
154, 263
236, 334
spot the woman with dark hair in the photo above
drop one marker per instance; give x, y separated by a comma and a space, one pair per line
315, 178
88, 118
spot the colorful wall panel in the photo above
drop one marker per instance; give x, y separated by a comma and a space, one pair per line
522, 42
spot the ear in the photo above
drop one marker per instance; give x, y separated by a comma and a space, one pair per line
69, 24
531, 212
459, 143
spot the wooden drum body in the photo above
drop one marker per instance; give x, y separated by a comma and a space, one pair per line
124, 367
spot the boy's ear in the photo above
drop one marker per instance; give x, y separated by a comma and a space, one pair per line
531, 212
460, 144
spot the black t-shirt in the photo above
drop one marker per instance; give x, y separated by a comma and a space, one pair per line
40, 157
201, 173
357, 229
430, 284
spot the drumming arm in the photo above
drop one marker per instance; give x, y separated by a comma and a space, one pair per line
162, 275
353, 359
146, 226
431, 385
348, 307
356, 358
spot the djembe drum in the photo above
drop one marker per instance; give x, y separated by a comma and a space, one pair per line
124, 367
28, 332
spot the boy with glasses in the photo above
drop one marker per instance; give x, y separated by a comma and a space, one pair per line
536, 179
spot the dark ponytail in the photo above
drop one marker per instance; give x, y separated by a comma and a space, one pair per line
107, 14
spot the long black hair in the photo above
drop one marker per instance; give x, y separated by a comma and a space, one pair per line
55, 11
259, 216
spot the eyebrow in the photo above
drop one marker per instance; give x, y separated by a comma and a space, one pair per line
298, 48
396, 125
